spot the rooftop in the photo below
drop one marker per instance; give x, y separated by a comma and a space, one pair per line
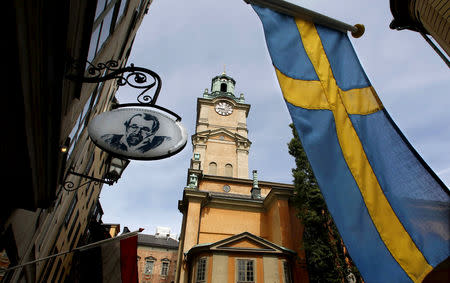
157, 241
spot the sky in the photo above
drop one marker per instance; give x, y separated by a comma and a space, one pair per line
189, 42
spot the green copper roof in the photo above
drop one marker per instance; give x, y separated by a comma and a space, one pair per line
223, 86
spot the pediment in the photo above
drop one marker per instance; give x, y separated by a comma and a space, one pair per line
221, 132
247, 242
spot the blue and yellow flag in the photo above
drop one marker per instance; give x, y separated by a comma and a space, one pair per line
391, 210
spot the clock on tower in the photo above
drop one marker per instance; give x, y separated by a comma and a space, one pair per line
224, 108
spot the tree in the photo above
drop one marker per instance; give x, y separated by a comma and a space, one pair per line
326, 256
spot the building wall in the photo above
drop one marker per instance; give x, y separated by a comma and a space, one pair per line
59, 227
159, 254
218, 223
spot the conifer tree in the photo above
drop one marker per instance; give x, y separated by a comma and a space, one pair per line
324, 249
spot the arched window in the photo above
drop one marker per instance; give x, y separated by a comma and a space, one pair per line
165, 262
212, 170
229, 170
223, 87
149, 264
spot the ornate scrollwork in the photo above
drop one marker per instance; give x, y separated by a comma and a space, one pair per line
109, 179
69, 185
136, 77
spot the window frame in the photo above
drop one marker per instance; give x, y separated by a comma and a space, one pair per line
165, 261
109, 16
246, 261
205, 260
147, 261
70, 209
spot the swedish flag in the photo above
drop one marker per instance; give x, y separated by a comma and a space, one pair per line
391, 210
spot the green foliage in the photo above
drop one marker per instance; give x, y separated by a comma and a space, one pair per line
324, 249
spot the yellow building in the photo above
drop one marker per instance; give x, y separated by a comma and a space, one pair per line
234, 229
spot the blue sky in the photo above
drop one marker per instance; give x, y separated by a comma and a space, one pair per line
189, 42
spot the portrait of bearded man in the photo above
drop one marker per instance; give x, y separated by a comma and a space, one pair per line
139, 134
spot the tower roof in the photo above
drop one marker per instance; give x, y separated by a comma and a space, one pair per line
223, 86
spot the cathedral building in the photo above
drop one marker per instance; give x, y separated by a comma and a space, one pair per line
234, 228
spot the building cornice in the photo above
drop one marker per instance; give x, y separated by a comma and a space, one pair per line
278, 193
246, 181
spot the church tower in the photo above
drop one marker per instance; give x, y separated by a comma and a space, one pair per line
234, 228
220, 143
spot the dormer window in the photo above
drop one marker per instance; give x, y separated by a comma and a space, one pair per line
223, 87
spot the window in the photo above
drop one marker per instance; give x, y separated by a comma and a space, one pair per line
56, 273
70, 210
108, 13
149, 264
91, 188
101, 5
165, 268
48, 266
201, 270
223, 87
97, 94
75, 219
287, 272
106, 28
89, 164
229, 170
81, 122
74, 240
123, 4
212, 170
245, 271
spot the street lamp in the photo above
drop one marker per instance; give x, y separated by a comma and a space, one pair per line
116, 166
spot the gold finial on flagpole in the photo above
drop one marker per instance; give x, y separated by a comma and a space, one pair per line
223, 70
359, 30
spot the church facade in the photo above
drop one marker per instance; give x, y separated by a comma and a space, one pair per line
234, 228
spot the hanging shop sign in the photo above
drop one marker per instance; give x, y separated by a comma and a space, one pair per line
138, 132
142, 130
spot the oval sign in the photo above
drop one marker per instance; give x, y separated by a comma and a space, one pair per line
138, 133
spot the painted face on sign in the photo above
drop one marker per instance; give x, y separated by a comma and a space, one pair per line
137, 133
139, 128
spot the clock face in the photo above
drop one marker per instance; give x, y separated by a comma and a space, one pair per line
224, 108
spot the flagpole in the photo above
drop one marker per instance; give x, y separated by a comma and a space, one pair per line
82, 248
290, 9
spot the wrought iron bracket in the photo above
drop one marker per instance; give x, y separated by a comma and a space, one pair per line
136, 77
69, 185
